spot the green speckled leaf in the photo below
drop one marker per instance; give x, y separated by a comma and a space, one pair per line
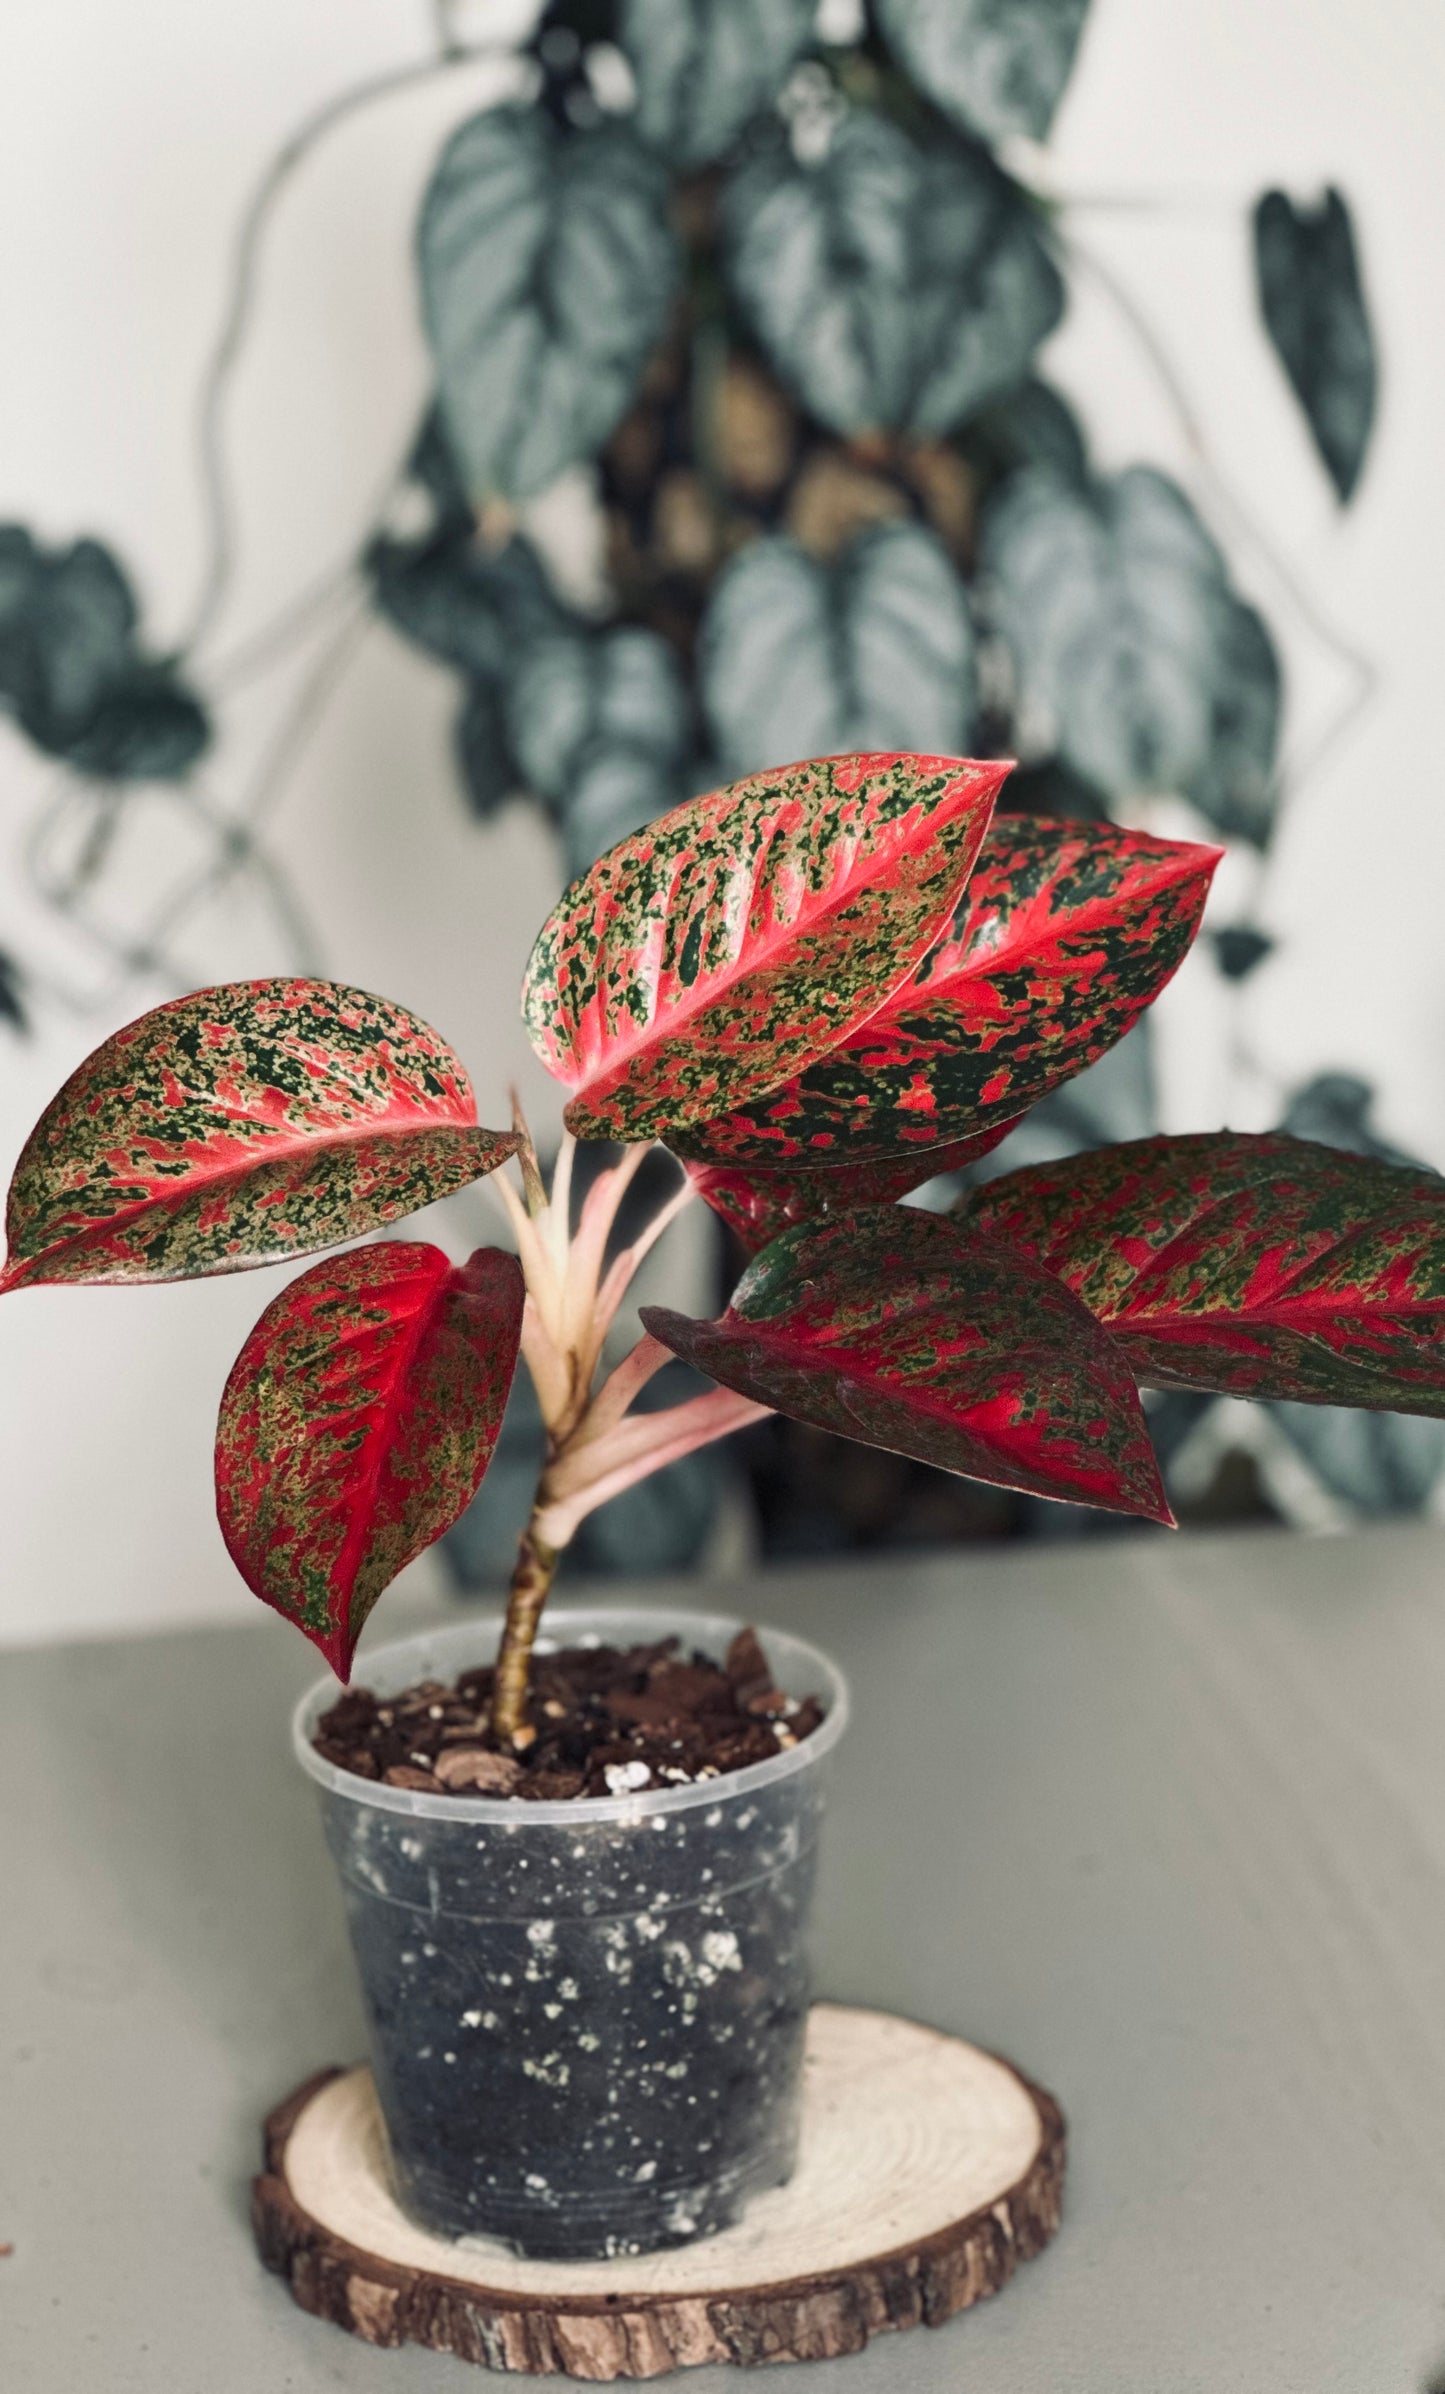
707, 957
357, 1423
1064, 934
1262, 1266
259, 1120
888, 1326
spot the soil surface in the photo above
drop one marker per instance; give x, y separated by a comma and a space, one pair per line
603, 1721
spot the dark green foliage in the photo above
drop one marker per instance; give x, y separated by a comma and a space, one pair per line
1239, 950
466, 605
484, 761
1030, 426
146, 727
73, 672
1336, 1109
1313, 302
11, 1007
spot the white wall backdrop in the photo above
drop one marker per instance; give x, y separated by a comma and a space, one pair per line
128, 142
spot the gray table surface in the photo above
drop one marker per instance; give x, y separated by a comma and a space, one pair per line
1164, 1819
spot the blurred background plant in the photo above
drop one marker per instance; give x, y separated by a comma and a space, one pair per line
739, 451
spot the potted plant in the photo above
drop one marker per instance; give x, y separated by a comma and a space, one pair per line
819, 987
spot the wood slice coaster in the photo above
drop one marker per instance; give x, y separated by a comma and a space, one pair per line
928, 2170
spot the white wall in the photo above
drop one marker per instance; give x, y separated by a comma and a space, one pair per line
128, 140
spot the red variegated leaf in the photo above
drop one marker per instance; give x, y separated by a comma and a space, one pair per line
1065, 933
1263, 1266
757, 1203
891, 1327
357, 1423
258, 1120
709, 956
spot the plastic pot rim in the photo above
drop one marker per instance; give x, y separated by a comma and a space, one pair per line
569, 1625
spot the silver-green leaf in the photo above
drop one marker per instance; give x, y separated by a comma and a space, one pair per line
599, 723
1134, 660
705, 68
873, 651
892, 285
996, 66
547, 266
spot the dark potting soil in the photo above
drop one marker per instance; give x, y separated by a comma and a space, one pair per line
603, 1721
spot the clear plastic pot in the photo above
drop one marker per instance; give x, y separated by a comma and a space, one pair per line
586, 2017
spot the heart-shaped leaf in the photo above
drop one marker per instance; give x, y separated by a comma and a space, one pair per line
147, 727
1064, 934
72, 671
477, 610
357, 1423
757, 1203
996, 66
258, 1120
1262, 1266
1313, 302
889, 1327
1131, 653
703, 68
600, 724
708, 957
893, 286
870, 651
547, 269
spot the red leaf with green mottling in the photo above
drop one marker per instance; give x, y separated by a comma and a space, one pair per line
258, 1120
1065, 933
1267, 1266
357, 1424
757, 1203
707, 957
891, 1327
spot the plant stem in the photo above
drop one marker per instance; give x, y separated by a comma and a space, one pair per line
536, 1563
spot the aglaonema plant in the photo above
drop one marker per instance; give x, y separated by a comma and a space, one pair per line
818, 988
